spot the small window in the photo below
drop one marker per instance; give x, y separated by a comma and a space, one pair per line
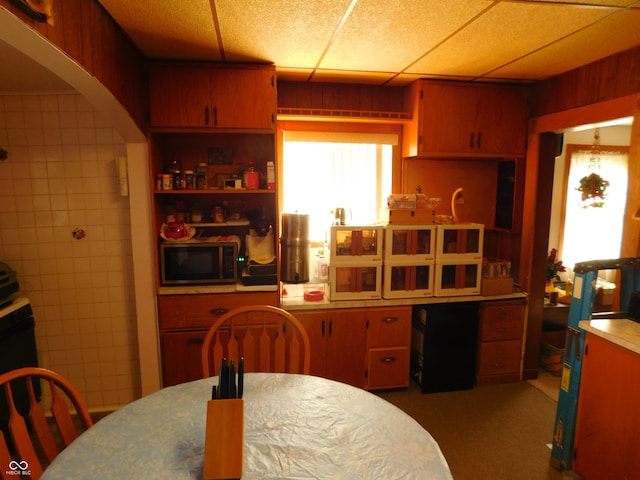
324, 171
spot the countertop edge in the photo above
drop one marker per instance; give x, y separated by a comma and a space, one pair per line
622, 332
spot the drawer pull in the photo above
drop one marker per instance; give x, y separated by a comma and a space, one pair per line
195, 341
218, 311
389, 319
501, 330
498, 365
388, 359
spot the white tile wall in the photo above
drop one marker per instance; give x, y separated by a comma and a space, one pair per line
61, 176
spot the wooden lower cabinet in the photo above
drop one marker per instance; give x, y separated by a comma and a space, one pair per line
500, 341
607, 425
338, 344
181, 356
184, 321
364, 347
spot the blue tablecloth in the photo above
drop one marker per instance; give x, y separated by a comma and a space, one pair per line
296, 427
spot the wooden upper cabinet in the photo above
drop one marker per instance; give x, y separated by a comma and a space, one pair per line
465, 120
204, 95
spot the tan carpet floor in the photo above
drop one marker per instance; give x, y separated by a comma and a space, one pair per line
490, 432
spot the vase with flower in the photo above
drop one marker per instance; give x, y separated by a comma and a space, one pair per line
554, 266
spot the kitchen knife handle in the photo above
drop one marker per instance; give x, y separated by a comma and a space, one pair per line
232, 380
240, 377
223, 379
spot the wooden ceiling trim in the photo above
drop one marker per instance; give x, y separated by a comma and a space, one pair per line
216, 25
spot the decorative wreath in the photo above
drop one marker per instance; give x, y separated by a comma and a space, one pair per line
592, 187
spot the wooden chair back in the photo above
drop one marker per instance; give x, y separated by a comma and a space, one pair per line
269, 339
32, 440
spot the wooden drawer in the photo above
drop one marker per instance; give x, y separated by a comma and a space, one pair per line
501, 322
388, 368
497, 358
389, 327
199, 311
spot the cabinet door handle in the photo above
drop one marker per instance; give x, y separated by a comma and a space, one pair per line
195, 341
215, 116
323, 327
206, 115
330, 327
389, 319
388, 359
218, 311
479, 139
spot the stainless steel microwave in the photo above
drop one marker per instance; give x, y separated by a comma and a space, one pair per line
198, 263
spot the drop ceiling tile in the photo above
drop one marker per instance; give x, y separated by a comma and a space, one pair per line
504, 33
614, 34
389, 36
289, 33
170, 29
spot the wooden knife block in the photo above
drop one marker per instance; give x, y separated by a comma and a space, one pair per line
224, 439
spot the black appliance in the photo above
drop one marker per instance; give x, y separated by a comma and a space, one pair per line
17, 350
9, 285
444, 341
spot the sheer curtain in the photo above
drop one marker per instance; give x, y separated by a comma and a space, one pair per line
320, 176
595, 232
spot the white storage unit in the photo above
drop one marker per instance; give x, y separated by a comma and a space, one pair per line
459, 241
409, 244
408, 281
458, 277
355, 282
355, 245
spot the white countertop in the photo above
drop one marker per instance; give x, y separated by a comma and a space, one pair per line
299, 303
622, 332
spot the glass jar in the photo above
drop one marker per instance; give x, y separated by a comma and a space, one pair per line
251, 177
201, 176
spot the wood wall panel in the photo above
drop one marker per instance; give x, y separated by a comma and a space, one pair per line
606, 79
628, 74
334, 96
72, 41
86, 32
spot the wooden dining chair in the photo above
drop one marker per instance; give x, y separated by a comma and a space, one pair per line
32, 439
269, 339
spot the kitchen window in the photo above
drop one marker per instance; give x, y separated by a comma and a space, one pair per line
323, 170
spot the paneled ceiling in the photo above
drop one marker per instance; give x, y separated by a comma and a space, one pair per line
383, 42
389, 42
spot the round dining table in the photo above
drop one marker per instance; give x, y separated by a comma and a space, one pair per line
295, 427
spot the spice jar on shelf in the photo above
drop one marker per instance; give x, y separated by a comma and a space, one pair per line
201, 176
189, 180
251, 177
